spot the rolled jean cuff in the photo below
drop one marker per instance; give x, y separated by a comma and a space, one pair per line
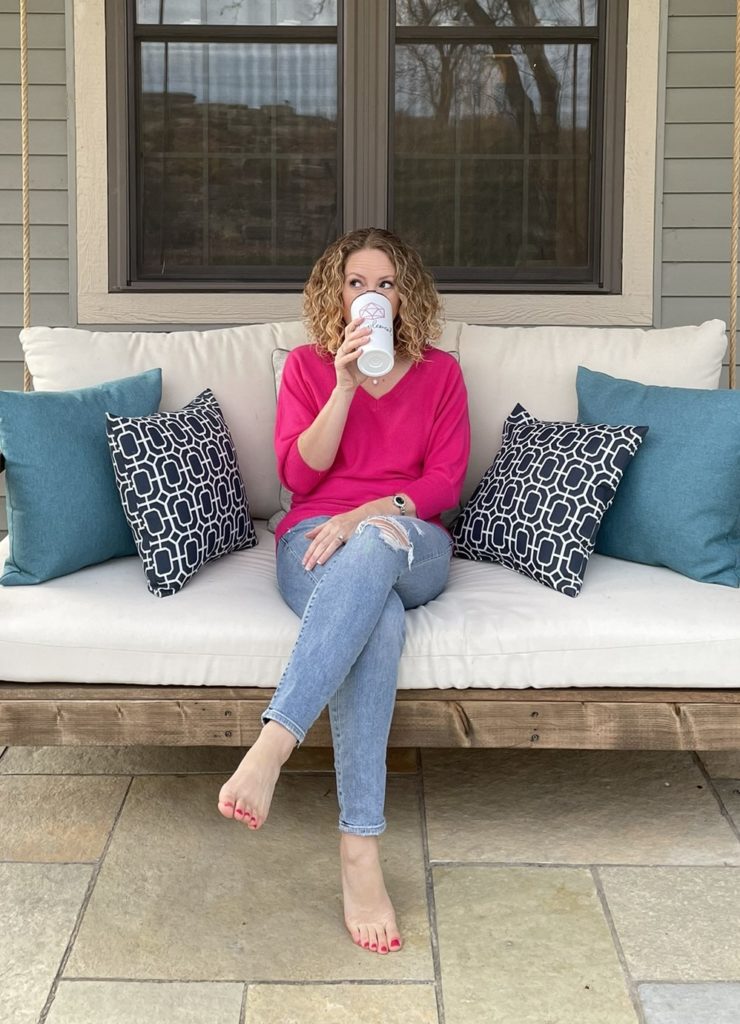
277, 716
362, 830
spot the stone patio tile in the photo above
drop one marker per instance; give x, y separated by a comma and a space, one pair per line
526, 946
119, 760
57, 818
341, 1004
185, 893
721, 764
170, 760
729, 792
133, 1002
714, 1003
677, 924
40, 904
573, 806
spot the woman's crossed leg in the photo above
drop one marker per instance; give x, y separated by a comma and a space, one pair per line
346, 655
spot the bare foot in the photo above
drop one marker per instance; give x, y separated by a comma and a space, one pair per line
248, 793
368, 911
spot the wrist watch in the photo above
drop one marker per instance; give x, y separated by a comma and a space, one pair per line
400, 502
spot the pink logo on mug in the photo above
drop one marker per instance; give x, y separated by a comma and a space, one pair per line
373, 311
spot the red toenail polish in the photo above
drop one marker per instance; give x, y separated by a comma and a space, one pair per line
373, 946
238, 811
395, 942
228, 805
383, 949
365, 945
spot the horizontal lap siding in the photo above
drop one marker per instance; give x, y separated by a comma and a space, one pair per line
700, 69
696, 181
47, 102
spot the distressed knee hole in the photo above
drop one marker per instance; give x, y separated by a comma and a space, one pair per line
392, 532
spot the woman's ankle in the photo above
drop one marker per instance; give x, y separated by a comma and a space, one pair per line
356, 847
278, 740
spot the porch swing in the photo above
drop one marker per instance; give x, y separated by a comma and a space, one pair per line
599, 718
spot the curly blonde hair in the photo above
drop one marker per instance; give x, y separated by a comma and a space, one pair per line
418, 321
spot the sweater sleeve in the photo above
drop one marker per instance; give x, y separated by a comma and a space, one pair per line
448, 450
297, 408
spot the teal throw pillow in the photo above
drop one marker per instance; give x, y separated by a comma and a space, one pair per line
679, 501
64, 510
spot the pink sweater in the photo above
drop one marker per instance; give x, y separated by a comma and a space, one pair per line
414, 439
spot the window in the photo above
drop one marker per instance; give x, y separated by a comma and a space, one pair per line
244, 135
498, 137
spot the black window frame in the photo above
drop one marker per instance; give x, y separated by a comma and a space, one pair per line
366, 37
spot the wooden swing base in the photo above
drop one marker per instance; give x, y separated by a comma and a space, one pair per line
604, 718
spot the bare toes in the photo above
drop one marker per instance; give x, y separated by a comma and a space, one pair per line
244, 815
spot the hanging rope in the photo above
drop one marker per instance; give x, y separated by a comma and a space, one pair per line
27, 383
732, 325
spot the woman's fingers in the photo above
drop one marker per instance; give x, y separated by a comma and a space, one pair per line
346, 356
323, 546
349, 355
317, 556
355, 341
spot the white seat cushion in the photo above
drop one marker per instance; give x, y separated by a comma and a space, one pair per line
632, 625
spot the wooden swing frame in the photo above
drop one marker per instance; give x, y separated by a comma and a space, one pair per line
599, 718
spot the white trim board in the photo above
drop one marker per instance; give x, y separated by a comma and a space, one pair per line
96, 305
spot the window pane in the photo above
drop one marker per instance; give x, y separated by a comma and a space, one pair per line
236, 12
171, 234
237, 154
521, 13
428, 211
513, 121
491, 227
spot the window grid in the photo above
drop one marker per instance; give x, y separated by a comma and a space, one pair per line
280, 277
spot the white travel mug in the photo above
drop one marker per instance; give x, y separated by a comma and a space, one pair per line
377, 352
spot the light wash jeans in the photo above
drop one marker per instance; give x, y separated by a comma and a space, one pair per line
349, 645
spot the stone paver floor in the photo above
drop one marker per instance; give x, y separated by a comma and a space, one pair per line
531, 887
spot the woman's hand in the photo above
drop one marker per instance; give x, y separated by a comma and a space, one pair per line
345, 360
331, 535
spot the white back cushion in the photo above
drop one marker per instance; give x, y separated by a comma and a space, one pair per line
501, 365
537, 367
235, 362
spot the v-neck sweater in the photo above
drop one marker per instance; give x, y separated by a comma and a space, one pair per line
414, 439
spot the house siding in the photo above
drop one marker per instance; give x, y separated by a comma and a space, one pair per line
693, 273
49, 201
700, 68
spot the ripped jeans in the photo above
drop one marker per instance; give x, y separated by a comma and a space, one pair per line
349, 645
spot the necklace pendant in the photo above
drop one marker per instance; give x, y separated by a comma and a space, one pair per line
374, 381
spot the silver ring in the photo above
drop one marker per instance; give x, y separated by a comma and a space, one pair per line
340, 537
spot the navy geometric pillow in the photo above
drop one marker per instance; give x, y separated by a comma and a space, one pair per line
539, 506
180, 489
